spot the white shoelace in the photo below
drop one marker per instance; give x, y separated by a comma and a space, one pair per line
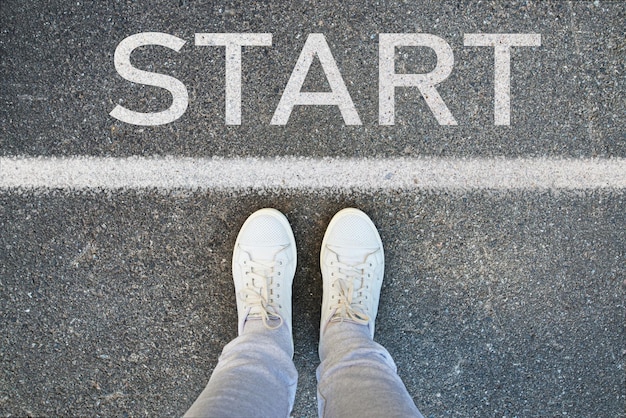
258, 294
351, 303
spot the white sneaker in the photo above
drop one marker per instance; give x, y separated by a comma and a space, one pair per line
353, 264
264, 263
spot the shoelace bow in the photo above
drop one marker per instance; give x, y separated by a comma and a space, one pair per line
261, 297
351, 303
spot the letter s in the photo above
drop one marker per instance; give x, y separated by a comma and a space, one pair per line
135, 75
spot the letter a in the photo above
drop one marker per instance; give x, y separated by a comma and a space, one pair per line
292, 96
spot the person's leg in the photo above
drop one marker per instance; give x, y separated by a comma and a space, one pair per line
356, 377
255, 375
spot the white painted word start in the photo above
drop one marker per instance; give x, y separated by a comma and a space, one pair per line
316, 46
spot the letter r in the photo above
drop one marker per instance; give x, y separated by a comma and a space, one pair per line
388, 79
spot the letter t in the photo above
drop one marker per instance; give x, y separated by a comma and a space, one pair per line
502, 44
233, 43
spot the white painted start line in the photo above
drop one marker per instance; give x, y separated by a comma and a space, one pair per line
303, 173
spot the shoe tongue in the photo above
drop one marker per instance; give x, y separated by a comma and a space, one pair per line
259, 253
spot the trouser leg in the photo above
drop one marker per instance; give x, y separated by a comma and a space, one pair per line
255, 376
357, 377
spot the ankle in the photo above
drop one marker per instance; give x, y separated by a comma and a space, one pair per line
257, 326
343, 337
256, 331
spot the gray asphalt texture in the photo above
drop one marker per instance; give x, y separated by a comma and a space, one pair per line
509, 303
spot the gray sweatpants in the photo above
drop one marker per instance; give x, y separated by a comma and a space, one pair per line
256, 377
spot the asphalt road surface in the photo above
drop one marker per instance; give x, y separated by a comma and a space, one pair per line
506, 300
